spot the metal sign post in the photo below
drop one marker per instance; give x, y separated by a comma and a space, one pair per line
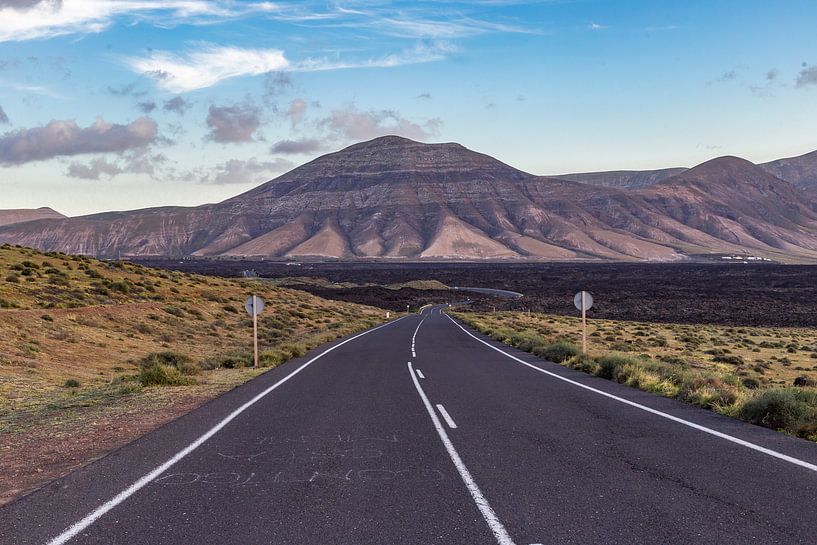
583, 301
254, 306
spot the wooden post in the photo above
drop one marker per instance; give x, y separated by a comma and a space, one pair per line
254, 331
584, 325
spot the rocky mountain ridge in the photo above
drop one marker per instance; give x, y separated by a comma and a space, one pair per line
393, 198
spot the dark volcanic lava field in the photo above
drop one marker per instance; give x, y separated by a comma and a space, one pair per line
733, 294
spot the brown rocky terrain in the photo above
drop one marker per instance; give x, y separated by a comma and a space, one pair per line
396, 198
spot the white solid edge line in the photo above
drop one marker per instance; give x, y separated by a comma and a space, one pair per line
499, 531
447, 417
747, 444
420, 373
92, 517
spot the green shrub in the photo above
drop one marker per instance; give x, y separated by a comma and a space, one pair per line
582, 363
175, 311
557, 352
121, 287
13, 279
231, 361
730, 359
782, 409
166, 369
71, 383
158, 374
609, 366
710, 393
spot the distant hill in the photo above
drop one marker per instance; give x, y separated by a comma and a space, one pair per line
627, 179
799, 171
20, 215
395, 198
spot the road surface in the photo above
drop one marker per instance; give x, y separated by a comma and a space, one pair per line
421, 432
491, 291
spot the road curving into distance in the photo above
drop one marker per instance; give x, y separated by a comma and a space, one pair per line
421, 432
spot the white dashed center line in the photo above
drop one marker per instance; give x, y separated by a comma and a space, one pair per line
447, 417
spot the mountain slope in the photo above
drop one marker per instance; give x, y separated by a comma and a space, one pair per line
396, 198
626, 179
800, 171
20, 215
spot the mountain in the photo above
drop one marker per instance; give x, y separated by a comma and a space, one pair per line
396, 198
800, 171
20, 215
627, 179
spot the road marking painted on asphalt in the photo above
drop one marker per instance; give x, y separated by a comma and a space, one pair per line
498, 529
414, 338
710, 431
92, 517
420, 373
447, 417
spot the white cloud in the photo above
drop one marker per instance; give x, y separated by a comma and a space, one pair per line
49, 19
64, 138
233, 124
207, 67
351, 124
137, 161
421, 53
212, 64
251, 171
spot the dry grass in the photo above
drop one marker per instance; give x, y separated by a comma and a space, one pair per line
761, 375
73, 331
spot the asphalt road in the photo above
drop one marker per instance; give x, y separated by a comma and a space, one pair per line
420, 432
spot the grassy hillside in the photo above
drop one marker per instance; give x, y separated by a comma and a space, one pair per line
86, 346
767, 376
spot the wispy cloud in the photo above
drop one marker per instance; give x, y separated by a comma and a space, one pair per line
207, 66
32, 89
212, 64
417, 27
37, 19
419, 54
596, 26
29, 19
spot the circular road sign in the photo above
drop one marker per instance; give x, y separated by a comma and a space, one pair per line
258, 301
588, 300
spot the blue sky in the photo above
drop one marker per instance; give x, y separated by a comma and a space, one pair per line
120, 104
